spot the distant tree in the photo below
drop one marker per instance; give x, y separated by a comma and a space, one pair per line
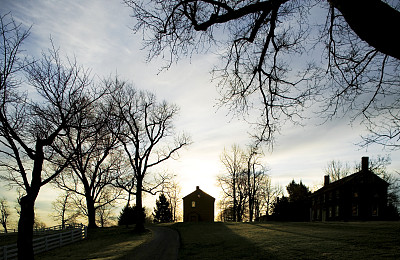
147, 135
31, 121
64, 209
232, 182
297, 191
296, 207
337, 170
172, 191
255, 175
162, 211
104, 215
39, 224
242, 183
267, 196
5, 213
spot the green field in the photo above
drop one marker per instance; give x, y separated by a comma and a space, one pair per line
354, 240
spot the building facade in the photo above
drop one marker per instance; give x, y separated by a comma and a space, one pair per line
198, 206
360, 196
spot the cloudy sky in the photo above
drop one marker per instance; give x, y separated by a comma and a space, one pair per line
98, 34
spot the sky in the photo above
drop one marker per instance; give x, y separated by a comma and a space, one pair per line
98, 34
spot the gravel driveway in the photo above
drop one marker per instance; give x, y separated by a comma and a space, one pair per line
164, 245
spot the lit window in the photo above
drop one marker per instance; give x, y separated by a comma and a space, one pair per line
375, 210
337, 211
193, 204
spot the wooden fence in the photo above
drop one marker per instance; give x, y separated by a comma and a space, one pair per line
45, 243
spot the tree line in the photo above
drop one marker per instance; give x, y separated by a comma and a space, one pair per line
94, 140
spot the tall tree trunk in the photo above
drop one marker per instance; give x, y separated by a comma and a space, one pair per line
139, 207
91, 212
25, 227
234, 198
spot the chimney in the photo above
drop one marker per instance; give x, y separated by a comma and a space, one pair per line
326, 180
197, 187
364, 164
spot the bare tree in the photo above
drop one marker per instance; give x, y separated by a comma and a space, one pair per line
5, 213
147, 135
104, 214
255, 173
172, 190
30, 121
267, 196
94, 166
230, 182
64, 209
337, 170
269, 52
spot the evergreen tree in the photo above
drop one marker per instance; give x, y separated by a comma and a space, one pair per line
162, 212
130, 215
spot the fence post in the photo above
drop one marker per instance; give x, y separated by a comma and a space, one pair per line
46, 243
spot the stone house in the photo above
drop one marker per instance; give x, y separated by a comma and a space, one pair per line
198, 206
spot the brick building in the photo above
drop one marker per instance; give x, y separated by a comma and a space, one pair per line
198, 206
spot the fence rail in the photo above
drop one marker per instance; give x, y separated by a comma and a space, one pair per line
39, 231
45, 243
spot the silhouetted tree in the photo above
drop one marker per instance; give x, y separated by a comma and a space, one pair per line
31, 121
255, 175
296, 207
232, 183
64, 209
268, 49
105, 215
94, 168
4, 214
147, 135
162, 211
172, 190
130, 216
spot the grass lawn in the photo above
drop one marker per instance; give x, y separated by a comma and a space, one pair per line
102, 243
341, 240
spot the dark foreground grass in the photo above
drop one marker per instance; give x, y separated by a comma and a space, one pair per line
102, 243
354, 240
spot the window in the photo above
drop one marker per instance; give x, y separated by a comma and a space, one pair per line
375, 210
337, 194
355, 210
330, 212
337, 211
193, 204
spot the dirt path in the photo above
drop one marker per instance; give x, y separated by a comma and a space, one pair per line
164, 245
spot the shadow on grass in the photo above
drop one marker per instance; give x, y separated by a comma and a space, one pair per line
102, 243
215, 241
288, 240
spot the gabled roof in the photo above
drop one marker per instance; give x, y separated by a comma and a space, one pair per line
349, 179
199, 191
